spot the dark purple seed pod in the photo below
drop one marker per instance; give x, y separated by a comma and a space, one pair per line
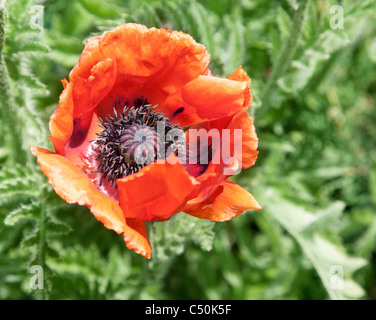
141, 143
132, 139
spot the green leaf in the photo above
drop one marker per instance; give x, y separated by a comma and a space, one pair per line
34, 83
101, 9
51, 252
325, 218
16, 184
31, 240
284, 23
171, 237
372, 184
366, 243
34, 46
148, 16
24, 212
326, 257
303, 69
57, 227
233, 54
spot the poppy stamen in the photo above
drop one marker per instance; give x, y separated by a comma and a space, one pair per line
133, 139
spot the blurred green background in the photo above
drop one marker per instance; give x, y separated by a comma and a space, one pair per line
314, 86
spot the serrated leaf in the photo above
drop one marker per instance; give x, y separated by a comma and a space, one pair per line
312, 24
34, 83
234, 44
101, 9
326, 257
325, 218
16, 184
57, 227
366, 242
293, 4
284, 22
372, 184
302, 71
51, 252
326, 44
24, 212
34, 130
148, 16
202, 21
30, 240
190, 17
171, 238
34, 46
4, 152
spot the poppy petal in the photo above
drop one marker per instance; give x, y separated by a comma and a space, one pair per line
240, 75
79, 155
207, 98
228, 201
214, 97
237, 158
156, 192
88, 92
74, 187
249, 141
156, 61
61, 121
72, 118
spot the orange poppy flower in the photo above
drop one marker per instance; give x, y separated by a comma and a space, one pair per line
126, 83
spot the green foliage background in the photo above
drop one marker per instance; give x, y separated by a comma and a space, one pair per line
314, 106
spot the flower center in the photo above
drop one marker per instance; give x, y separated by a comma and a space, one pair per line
139, 144
133, 139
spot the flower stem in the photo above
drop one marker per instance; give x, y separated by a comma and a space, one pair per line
8, 108
41, 250
286, 54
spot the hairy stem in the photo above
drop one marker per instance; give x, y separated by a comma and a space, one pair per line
8, 105
41, 254
286, 54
